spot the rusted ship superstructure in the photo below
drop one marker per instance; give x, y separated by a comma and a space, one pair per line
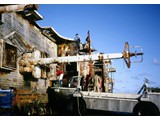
31, 54
22, 39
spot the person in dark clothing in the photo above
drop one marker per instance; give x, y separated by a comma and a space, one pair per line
88, 78
82, 82
78, 42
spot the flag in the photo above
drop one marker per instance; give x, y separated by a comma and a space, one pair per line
88, 36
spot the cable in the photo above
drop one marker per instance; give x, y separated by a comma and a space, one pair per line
78, 91
123, 74
78, 106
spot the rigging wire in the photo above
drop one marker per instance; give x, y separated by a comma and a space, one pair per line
123, 73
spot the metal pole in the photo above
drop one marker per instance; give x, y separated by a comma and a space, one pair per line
103, 75
89, 51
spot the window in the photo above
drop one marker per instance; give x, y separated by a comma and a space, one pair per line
8, 56
71, 67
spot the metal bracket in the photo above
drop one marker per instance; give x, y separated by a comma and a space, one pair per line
127, 55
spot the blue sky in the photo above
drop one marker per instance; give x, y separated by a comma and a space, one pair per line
111, 25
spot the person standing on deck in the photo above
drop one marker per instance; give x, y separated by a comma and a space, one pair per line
78, 42
96, 80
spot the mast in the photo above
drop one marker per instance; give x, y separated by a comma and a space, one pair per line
35, 62
89, 43
89, 51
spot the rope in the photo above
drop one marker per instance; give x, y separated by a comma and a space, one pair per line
78, 91
78, 106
